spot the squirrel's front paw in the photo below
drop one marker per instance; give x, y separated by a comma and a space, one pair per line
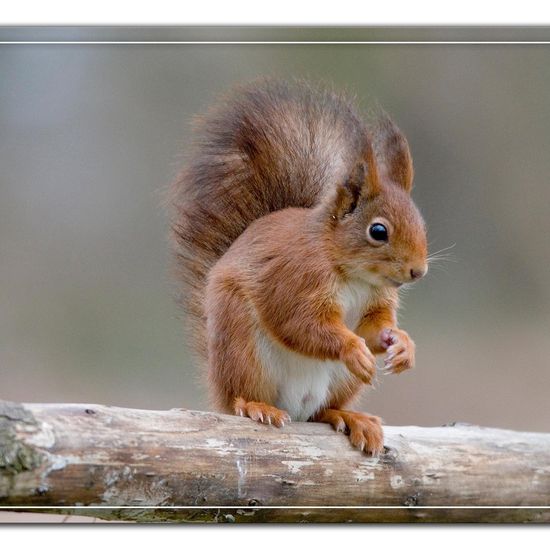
400, 349
359, 360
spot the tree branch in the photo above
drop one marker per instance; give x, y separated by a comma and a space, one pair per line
200, 466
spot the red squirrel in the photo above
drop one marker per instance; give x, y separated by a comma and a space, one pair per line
294, 229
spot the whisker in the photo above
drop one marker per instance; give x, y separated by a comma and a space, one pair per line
442, 250
439, 267
438, 262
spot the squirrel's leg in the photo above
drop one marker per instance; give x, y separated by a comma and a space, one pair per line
326, 337
365, 430
379, 329
237, 382
261, 412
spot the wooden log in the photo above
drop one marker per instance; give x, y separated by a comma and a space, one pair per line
183, 465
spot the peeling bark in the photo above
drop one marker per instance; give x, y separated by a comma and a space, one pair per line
193, 466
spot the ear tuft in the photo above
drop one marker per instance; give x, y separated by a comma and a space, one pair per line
392, 153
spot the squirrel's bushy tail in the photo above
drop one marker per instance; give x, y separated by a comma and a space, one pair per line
269, 145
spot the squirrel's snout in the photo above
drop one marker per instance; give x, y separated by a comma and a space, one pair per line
418, 272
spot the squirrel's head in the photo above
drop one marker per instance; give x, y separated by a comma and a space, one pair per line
378, 233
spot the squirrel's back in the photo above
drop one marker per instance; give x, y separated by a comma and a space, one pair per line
270, 145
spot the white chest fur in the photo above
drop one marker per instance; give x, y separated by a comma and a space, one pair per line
303, 383
353, 298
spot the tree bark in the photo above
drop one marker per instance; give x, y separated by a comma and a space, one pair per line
182, 465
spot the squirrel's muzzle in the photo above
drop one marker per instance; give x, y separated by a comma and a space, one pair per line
417, 272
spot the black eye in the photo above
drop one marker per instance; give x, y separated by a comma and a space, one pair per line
378, 232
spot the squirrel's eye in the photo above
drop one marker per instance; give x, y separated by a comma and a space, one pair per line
378, 232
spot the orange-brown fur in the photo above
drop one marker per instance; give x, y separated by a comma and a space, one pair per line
272, 220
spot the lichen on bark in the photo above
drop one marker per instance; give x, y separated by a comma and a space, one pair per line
16, 456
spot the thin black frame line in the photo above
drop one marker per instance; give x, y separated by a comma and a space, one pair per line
276, 43
268, 507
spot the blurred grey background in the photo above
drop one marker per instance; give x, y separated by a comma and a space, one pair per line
92, 134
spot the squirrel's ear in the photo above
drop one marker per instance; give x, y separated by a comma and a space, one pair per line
361, 183
393, 154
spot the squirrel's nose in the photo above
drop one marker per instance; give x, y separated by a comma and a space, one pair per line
418, 272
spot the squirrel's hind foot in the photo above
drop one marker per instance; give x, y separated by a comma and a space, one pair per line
261, 412
364, 430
